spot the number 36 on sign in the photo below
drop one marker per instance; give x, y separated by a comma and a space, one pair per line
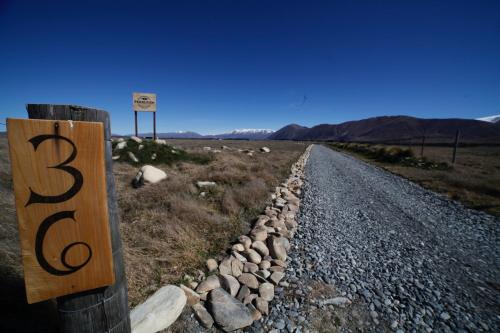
60, 189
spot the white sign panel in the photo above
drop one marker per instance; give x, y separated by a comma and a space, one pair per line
144, 102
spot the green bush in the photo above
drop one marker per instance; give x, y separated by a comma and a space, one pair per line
163, 154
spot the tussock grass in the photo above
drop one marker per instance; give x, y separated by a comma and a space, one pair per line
169, 229
393, 155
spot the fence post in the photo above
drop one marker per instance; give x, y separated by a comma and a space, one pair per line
103, 310
422, 147
457, 134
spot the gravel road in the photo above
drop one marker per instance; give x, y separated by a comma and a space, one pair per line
406, 259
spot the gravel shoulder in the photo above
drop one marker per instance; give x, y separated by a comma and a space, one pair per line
404, 258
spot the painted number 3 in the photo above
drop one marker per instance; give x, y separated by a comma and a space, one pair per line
59, 216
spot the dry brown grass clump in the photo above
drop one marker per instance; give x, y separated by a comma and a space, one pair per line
169, 229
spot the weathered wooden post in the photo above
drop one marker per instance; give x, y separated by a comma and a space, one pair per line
103, 310
422, 147
457, 134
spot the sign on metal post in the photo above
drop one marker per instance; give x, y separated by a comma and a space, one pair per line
59, 181
144, 102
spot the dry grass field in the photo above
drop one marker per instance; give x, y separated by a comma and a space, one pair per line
168, 229
474, 179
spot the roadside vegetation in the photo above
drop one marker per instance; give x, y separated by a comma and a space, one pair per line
149, 152
474, 179
170, 228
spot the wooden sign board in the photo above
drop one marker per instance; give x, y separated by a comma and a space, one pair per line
144, 102
61, 201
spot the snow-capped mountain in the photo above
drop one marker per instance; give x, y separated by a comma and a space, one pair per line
246, 134
490, 119
251, 130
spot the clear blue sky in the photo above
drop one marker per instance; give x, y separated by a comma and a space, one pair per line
220, 65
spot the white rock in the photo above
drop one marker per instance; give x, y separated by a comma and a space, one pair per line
265, 150
207, 148
141, 147
121, 145
153, 157
337, 301
132, 157
136, 139
159, 311
161, 141
152, 175
117, 157
205, 184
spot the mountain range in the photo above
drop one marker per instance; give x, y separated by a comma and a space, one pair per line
389, 129
394, 129
238, 134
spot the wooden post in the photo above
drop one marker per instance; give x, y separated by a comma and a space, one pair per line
457, 134
154, 125
135, 116
103, 310
422, 148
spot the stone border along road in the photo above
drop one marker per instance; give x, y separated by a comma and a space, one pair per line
377, 253
239, 288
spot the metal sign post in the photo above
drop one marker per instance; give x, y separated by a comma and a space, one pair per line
144, 102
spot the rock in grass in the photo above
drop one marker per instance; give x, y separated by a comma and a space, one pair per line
276, 277
211, 265
253, 256
246, 241
225, 266
249, 298
152, 175
238, 247
236, 267
266, 291
261, 248
136, 139
249, 280
229, 313
201, 184
159, 311
250, 267
132, 157
276, 247
203, 315
230, 284
262, 305
256, 315
212, 282
337, 301
259, 233
191, 296
121, 145
244, 292
265, 264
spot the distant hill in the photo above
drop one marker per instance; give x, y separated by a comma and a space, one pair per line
395, 129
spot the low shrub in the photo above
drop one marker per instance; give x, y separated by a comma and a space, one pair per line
150, 152
392, 155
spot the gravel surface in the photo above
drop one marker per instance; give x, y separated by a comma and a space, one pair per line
406, 259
